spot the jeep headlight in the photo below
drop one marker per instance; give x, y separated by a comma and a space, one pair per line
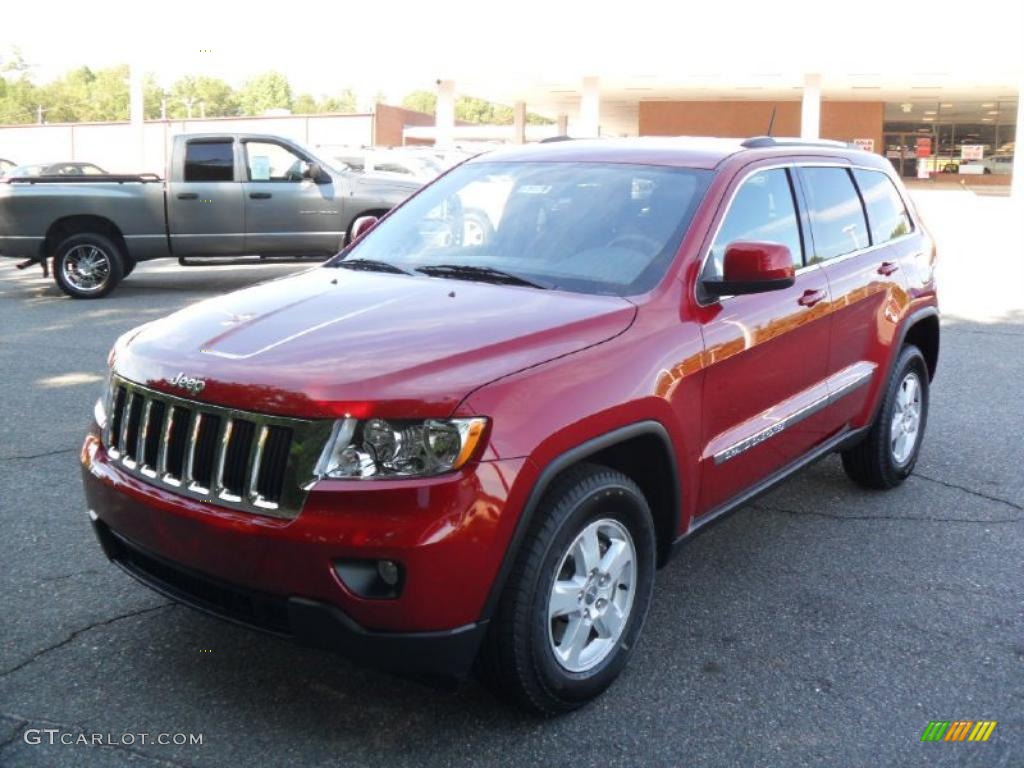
393, 448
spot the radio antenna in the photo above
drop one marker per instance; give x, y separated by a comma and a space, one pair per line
771, 122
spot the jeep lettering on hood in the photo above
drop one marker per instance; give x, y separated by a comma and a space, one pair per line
332, 342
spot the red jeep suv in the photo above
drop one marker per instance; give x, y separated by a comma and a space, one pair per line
468, 440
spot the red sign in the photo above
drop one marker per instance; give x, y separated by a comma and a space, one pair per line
924, 146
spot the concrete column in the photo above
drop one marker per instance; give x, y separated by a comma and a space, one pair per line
137, 114
810, 108
1017, 182
562, 127
444, 115
519, 122
590, 109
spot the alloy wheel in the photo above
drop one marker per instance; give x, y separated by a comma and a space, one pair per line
592, 595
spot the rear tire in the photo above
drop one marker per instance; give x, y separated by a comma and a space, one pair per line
887, 455
88, 266
551, 648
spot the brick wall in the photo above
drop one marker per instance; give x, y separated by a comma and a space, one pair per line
389, 121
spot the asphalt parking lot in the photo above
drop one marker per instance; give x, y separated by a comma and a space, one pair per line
821, 625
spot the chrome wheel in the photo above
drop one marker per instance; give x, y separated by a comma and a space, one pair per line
906, 419
86, 268
592, 595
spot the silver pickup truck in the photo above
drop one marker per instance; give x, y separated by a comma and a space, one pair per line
225, 195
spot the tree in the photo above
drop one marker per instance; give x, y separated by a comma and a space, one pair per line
470, 109
421, 101
206, 95
344, 102
271, 90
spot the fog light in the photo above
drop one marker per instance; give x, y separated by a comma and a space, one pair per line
374, 579
388, 571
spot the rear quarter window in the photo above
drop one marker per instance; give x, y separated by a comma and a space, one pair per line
838, 224
887, 215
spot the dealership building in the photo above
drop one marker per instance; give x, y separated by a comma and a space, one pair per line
924, 122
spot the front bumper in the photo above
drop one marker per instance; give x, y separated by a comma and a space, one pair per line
449, 533
446, 653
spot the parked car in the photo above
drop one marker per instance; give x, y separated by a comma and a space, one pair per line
440, 456
226, 195
999, 164
6, 165
419, 167
56, 169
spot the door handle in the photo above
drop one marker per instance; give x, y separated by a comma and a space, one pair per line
888, 267
188, 195
260, 195
810, 298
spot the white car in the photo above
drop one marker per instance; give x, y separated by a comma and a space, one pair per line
1000, 164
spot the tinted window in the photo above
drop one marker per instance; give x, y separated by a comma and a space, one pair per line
272, 162
209, 161
886, 213
762, 209
587, 227
837, 216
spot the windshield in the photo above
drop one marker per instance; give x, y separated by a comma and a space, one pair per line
585, 227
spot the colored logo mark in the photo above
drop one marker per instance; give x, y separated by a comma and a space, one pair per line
958, 730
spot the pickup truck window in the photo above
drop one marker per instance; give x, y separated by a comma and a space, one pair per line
209, 161
267, 161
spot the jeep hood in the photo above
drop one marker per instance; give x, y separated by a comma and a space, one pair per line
330, 342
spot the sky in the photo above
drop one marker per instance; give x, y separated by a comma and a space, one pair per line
324, 47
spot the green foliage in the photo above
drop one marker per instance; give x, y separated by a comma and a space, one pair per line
271, 90
344, 102
206, 95
470, 110
421, 101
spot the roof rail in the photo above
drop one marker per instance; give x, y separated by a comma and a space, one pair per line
762, 142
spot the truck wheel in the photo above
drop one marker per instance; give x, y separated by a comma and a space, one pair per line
886, 456
87, 266
577, 597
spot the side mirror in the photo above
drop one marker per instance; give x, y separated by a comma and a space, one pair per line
753, 267
362, 225
315, 171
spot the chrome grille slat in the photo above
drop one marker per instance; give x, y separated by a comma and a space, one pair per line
218, 461
239, 450
140, 441
255, 458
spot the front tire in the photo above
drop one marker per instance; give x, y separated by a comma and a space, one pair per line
577, 597
887, 455
87, 266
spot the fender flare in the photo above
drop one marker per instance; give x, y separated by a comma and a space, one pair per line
908, 322
553, 469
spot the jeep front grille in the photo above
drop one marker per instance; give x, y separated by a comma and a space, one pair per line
237, 459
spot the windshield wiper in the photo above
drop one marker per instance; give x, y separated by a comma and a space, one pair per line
372, 266
481, 274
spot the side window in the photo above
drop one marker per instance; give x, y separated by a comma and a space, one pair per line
209, 161
837, 216
887, 215
763, 209
272, 162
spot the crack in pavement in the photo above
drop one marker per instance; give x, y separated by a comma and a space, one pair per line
95, 625
39, 455
971, 491
19, 726
24, 722
897, 518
